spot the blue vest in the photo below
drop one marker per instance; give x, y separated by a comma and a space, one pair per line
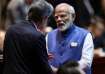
66, 46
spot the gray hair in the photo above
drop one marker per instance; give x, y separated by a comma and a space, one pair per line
71, 9
39, 9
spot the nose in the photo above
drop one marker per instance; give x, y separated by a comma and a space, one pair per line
58, 19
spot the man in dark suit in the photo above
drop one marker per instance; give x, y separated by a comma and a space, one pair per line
24, 45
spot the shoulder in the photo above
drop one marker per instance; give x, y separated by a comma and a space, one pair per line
23, 28
81, 30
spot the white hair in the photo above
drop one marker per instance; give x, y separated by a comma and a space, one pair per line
71, 9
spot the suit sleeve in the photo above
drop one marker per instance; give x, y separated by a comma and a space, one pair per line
43, 56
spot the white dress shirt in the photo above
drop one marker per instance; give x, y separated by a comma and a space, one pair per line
87, 52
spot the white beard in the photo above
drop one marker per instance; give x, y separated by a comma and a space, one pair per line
65, 26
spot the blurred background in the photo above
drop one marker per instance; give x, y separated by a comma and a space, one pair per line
90, 14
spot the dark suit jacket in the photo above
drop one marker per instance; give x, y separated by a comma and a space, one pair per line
25, 50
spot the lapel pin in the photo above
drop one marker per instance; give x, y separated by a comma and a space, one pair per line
73, 44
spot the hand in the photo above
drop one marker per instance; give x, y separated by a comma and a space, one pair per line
54, 69
50, 56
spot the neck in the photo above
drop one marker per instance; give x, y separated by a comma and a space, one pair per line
67, 30
39, 27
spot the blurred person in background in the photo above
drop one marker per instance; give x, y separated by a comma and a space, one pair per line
2, 35
97, 28
3, 11
17, 11
47, 29
24, 44
69, 42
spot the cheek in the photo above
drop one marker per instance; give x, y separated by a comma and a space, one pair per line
68, 19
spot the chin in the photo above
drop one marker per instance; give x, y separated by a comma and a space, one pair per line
62, 29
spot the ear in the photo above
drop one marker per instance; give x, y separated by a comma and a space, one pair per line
45, 17
73, 16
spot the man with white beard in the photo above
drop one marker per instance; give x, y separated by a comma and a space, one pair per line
69, 42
